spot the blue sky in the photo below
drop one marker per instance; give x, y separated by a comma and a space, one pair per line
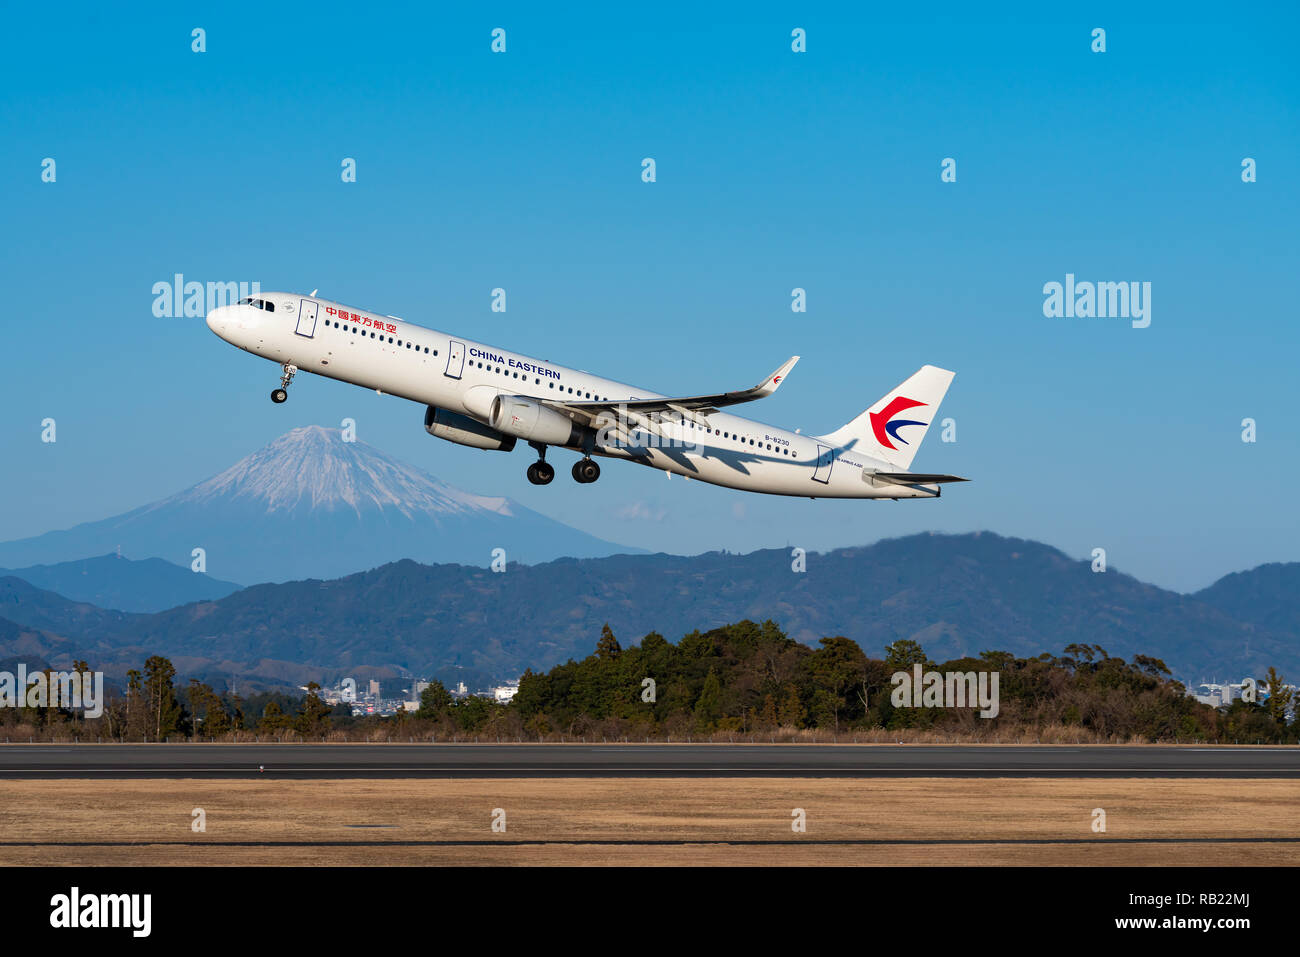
775, 170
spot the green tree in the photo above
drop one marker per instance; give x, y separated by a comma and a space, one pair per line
136, 722
836, 668
791, 713
164, 711
207, 709
608, 647
1279, 697
273, 719
708, 706
902, 654
1151, 667
472, 712
313, 714
435, 701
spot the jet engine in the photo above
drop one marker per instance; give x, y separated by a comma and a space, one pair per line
463, 430
530, 420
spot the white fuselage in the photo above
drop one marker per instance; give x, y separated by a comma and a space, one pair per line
464, 376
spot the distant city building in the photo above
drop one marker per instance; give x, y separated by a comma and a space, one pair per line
1223, 695
505, 692
374, 688
1215, 695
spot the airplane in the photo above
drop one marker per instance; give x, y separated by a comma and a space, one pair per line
489, 398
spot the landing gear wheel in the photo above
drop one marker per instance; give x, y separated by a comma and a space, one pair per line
278, 396
585, 471
539, 473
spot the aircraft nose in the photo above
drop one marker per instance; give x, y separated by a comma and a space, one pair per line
217, 319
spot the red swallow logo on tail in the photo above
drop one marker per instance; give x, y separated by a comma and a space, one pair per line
884, 425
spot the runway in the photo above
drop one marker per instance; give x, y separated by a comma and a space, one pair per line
329, 761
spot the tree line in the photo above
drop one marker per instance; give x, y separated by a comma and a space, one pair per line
152, 708
741, 679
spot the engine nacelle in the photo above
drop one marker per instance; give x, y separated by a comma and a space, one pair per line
463, 430
530, 420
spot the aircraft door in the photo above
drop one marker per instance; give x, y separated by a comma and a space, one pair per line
307, 310
455, 359
825, 462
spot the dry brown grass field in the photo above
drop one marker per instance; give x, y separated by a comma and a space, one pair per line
617, 821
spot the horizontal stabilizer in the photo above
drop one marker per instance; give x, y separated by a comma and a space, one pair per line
912, 478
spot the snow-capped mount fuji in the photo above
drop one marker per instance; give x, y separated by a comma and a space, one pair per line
311, 505
313, 468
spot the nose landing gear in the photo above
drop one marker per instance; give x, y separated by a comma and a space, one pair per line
585, 471
282, 393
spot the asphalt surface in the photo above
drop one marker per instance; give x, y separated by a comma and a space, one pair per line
47, 761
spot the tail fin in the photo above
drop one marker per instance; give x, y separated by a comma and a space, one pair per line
893, 428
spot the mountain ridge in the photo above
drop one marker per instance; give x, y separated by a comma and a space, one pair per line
958, 595
115, 582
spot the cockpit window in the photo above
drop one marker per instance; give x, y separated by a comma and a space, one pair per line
258, 304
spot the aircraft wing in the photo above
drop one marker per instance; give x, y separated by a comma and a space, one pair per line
688, 407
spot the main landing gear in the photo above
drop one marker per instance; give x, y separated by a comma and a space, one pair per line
585, 471
540, 472
282, 393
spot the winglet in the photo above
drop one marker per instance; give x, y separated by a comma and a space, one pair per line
773, 382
